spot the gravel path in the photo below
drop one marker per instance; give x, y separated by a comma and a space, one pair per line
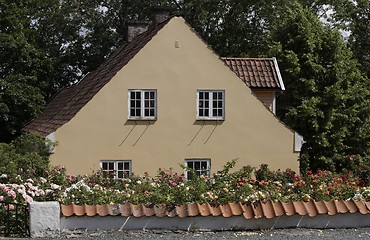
293, 234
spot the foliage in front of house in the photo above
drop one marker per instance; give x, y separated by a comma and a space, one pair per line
173, 189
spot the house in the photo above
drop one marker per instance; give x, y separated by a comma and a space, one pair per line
162, 100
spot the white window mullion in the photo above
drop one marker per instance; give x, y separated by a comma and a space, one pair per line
136, 104
207, 109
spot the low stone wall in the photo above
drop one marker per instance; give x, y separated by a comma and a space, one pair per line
348, 220
46, 221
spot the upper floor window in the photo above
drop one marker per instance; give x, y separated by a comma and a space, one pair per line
116, 168
142, 104
211, 104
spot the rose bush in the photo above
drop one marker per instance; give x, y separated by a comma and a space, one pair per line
173, 189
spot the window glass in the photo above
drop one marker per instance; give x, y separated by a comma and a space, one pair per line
142, 104
210, 104
116, 169
199, 167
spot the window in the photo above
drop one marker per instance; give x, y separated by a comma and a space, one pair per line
200, 167
211, 104
142, 104
117, 169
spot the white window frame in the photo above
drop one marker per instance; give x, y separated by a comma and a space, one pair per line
200, 160
211, 106
143, 101
115, 170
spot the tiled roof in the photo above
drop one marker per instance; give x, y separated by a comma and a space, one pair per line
67, 102
257, 72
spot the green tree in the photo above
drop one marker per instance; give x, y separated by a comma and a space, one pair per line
28, 156
21, 68
327, 100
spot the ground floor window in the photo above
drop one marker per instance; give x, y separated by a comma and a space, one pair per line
117, 168
200, 167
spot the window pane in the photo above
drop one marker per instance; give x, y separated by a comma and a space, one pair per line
190, 165
120, 165
220, 95
215, 112
146, 112
206, 112
151, 103
204, 165
138, 95
206, 95
105, 166
206, 103
138, 112
219, 105
146, 104
120, 174
111, 165
127, 166
132, 103
201, 95
197, 165
132, 95
201, 113
220, 114
146, 95
151, 113
152, 93
214, 95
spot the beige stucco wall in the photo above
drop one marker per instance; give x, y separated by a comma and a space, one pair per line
101, 131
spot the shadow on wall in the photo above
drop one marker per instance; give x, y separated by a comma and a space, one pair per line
202, 124
134, 124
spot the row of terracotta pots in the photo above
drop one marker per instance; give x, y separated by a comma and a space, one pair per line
268, 209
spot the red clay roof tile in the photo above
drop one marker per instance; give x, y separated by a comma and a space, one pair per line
256, 72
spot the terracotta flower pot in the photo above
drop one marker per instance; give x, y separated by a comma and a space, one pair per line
203, 209
193, 209
341, 206
268, 210
67, 210
171, 211
311, 208
102, 209
182, 210
226, 210
321, 207
113, 209
236, 208
125, 209
361, 207
79, 210
288, 208
299, 208
278, 209
350, 204
148, 211
330, 205
367, 205
248, 212
160, 210
257, 210
137, 210
90, 210
215, 210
